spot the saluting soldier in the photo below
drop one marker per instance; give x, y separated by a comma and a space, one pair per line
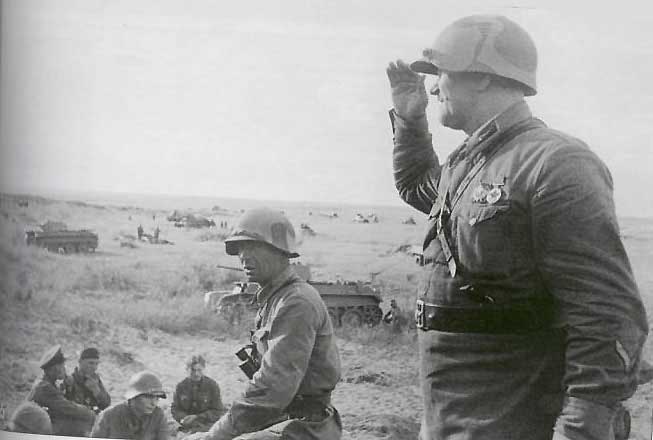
197, 404
530, 323
68, 418
295, 366
84, 386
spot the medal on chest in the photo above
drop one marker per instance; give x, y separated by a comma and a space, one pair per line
480, 193
488, 193
494, 195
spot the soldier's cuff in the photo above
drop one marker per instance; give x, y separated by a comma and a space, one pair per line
418, 127
223, 429
581, 419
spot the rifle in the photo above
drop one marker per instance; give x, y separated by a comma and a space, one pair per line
220, 266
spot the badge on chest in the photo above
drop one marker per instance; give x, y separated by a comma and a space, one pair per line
488, 193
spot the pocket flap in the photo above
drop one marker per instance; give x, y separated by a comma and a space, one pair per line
487, 212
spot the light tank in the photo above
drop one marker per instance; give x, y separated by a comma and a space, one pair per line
63, 241
352, 303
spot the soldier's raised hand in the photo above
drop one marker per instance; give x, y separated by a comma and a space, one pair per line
408, 92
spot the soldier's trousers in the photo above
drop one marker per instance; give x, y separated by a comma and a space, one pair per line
297, 429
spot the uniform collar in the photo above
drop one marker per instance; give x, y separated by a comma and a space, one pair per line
517, 112
265, 292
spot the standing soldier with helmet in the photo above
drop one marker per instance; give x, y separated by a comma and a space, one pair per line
294, 365
530, 322
68, 418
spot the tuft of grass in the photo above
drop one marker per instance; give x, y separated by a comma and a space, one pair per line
380, 336
212, 235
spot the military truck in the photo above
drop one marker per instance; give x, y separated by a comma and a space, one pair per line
352, 303
63, 241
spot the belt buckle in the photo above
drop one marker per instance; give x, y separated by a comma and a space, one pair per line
419, 314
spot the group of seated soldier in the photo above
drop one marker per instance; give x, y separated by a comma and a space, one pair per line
79, 405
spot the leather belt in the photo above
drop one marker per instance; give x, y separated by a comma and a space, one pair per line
310, 408
509, 319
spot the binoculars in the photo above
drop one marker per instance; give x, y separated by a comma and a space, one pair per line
249, 364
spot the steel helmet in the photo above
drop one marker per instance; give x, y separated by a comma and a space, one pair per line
263, 225
144, 382
486, 44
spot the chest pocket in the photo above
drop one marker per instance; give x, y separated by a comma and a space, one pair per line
484, 239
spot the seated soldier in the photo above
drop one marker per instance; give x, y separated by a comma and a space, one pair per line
29, 418
68, 418
197, 404
138, 418
84, 385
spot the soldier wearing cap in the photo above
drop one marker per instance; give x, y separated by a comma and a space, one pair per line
84, 386
294, 366
68, 418
197, 404
530, 323
139, 417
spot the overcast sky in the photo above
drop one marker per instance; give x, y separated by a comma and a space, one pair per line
286, 99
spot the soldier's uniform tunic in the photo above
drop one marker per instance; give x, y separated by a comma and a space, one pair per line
68, 418
300, 366
538, 320
75, 389
200, 398
120, 421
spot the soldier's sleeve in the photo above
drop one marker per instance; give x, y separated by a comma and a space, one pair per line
103, 398
54, 400
416, 166
215, 408
290, 337
584, 265
100, 427
176, 409
66, 387
162, 431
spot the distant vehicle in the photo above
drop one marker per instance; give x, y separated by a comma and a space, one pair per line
307, 230
67, 242
358, 218
352, 303
194, 221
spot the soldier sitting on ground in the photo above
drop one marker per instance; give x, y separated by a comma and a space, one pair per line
29, 418
84, 386
197, 404
68, 418
139, 417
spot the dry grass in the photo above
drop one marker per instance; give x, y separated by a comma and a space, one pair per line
143, 306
